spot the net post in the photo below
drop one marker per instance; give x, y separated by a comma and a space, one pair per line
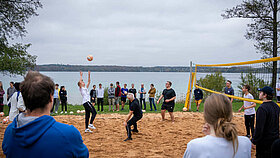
190, 93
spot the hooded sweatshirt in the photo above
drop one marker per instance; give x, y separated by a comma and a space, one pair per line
42, 137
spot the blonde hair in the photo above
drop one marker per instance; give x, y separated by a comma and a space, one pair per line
218, 112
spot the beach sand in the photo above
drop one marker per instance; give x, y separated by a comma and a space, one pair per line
156, 138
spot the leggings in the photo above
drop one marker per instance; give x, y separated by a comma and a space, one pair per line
63, 104
89, 109
249, 123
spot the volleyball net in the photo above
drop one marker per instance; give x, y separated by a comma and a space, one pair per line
212, 78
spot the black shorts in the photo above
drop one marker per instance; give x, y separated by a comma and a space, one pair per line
168, 107
92, 100
123, 99
278, 99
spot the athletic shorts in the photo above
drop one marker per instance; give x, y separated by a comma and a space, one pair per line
93, 100
168, 107
198, 101
123, 99
278, 99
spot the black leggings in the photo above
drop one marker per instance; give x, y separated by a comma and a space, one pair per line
100, 100
249, 123
89, 109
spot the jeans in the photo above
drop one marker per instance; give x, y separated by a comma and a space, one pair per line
55, 104
152, 101
143, 99
100, 100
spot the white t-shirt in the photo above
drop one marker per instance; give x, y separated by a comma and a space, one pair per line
215, 147
250, 111
85, 94
16, 105
100, 93
277, 86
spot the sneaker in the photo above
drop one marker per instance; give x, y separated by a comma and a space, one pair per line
88, 131
61, 112
65, 112
91, 126
135, 131
127, 139
56, 112
122, 109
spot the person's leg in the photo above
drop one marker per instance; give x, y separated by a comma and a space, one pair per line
163, 114
53, 105
144, 103
98, 104
62, 105
131, 122
93, 112
65, 106
172, 116
110, 103
247, 124
87, 115
102, 101
135, 127
153, 101
141, 103
56, 105
252, 124
151, 106
113, 104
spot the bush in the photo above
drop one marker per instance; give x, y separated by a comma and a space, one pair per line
215, 82
254, 83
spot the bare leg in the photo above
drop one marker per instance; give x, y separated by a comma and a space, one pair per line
163, 114
172, 117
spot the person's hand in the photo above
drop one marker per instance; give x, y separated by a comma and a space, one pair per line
167, 100
206, 129
125, 123
239, 110
245, 108
81, 73
158, 102
253, 146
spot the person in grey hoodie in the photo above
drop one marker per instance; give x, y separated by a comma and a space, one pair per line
111, 97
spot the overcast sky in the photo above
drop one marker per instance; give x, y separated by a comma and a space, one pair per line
138, 32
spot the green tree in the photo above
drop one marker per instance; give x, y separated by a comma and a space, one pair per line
215, 82
254, 83
14, 15
263, 29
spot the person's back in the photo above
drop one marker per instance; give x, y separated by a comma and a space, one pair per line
216, 147
42, 137
35, 133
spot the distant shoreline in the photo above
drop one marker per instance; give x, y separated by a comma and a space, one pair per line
113, 68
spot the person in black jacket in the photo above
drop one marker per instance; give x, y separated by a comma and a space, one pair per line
63, 99
267, 124
198, 96
93, 95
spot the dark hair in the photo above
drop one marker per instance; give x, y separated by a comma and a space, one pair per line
152, 85
100, 84
57, 85
16, 85
170, 83
36, 90
12, 83
61, 87
111, 84
229, 81
1, 87
94, 86
247, 87
79, 83
268, 96
117, 82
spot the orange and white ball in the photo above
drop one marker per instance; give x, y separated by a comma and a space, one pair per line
5, 120
2, 114
89, 57
185, 109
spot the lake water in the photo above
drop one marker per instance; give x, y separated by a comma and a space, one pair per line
69, 80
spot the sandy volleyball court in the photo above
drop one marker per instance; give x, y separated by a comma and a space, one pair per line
156, 138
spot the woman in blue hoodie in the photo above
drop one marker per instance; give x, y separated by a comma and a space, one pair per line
35, 133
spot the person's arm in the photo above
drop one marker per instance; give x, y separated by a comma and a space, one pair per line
128, 117
169, 100
252, 105
260, 122
241, 108
81, 76
159, 99
20, 103
144, 91
88, 79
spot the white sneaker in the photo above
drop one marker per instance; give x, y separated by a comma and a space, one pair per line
61, 112
88, 131
56, 112
91, 126
65, 112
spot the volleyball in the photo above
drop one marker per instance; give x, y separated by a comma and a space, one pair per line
78, 111
185, 109
89, 57
5, 120
71, 112
1, 114
125, 92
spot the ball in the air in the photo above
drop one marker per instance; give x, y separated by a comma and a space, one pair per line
185, 109
125, 92
1, 114
89, 57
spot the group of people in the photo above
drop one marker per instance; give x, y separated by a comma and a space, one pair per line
264, 136
34, 131
117, 94
114, 95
